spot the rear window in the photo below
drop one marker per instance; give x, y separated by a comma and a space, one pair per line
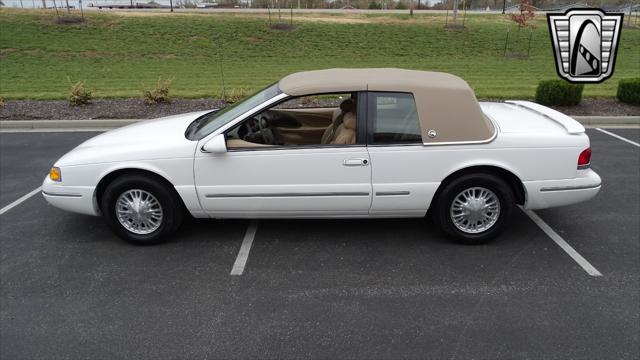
394, 118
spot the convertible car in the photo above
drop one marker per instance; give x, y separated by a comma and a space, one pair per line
337, 143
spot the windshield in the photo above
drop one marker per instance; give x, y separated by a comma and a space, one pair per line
212, 121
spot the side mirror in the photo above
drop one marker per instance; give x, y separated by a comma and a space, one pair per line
217, 145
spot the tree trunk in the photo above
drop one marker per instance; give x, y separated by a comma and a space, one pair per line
455, 10
55, 6
68, 9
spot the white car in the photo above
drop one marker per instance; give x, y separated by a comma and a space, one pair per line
338, 143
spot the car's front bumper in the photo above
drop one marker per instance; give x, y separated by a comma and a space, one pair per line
552, 193
79, 199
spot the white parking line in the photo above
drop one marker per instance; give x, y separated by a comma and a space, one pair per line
590, 269
618, 137
243, 254
17, 202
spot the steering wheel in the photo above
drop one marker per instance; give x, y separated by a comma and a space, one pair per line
263, 121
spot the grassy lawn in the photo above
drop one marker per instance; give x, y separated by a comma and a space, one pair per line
119, 55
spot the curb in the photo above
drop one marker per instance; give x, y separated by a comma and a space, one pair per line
608, 120
108, 124
65, 125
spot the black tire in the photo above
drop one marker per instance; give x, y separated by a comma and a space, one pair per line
442, 207
172, 209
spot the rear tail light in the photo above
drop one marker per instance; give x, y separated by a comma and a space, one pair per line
584, 159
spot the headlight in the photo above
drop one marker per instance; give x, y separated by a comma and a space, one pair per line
55, 175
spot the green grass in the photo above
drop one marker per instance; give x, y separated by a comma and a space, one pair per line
121, 55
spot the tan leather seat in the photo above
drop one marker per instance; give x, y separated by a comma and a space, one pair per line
346, 106
346, 132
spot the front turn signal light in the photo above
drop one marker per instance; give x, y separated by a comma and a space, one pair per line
54, 174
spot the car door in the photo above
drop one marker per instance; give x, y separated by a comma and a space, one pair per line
285, 181
399, 160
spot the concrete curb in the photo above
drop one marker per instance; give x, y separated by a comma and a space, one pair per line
608, 120
65, 125
108, 124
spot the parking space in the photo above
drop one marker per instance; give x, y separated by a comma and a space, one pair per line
319, 288
630, 134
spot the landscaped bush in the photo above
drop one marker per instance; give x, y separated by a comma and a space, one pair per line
79, 94
160, 94
558, 92
629, 91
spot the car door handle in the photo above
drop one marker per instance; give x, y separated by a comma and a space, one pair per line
355, 162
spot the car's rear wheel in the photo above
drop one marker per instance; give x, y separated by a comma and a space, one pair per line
474, 208
140, 209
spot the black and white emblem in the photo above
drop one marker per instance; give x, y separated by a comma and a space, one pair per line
585, 42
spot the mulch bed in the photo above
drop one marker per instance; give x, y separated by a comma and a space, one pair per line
101, 109
137, 109
600, 107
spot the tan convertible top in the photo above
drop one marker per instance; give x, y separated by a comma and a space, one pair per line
445, 102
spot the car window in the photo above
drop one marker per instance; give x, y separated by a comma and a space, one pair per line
313, 120
314, 101
210, 122
393, 118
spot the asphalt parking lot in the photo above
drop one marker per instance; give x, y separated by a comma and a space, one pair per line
316, 288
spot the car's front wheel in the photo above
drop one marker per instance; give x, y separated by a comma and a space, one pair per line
474, 208
140, 209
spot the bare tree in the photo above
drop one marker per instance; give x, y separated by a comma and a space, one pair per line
55, 6
455, 11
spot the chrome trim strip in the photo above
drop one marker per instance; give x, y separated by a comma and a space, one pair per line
392, 193
295, 147
584, 167
267, 195
565, 188
71, 195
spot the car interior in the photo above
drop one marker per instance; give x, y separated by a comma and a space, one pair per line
328, 119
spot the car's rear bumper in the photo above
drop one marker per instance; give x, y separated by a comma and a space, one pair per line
552, 193
79, 199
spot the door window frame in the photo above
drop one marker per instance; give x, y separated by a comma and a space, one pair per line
361, 125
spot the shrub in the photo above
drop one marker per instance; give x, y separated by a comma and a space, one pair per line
629, 91
79, 95
558, 92
1, 103
235, 95
158, 95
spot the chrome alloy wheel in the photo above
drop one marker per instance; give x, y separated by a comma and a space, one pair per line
139, 211
475, 210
